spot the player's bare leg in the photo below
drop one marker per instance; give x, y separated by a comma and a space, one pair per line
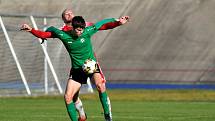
71, 95
100, 85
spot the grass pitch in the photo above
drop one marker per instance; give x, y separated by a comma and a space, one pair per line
127, 105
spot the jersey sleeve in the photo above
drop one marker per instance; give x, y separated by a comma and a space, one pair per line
104, 21
110, 25
94, 28
58, 33
41, 34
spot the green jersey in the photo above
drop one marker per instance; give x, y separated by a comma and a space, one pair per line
79, 48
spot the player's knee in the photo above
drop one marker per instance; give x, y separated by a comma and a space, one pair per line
68, 99
101, 87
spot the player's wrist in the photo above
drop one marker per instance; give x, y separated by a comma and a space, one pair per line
118, 22
31, 30
116, 19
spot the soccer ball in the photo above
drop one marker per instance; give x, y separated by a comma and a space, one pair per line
89, 66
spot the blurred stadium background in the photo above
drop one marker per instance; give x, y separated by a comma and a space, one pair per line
166, 44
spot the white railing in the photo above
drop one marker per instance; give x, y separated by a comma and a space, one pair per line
15, 57
47, 60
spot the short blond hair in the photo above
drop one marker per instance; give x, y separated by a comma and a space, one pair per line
64, 11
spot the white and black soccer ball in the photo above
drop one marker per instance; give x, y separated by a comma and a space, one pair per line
89, 66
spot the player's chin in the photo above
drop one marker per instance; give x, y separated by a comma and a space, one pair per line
68, 21
78, 35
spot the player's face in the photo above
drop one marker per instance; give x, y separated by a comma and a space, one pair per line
79, 31
68, 15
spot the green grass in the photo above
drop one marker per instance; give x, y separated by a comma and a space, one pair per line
127, 105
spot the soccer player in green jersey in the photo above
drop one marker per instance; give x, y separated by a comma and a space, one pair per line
67, 16
79, 47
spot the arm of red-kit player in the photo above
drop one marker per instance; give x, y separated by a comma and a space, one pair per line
41, 34
106, 26
110, 25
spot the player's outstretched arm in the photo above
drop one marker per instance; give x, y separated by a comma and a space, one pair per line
122, 20
107, 26
103, 22
37, 33
110, 25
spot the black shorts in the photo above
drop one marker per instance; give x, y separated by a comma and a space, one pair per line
80, 76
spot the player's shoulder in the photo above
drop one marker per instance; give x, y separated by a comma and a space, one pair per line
66, 28
52, 28
89, 24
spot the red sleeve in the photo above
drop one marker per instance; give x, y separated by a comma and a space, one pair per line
110, 25
89, 24
41, 34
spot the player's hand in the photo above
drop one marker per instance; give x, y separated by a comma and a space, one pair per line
124, 19
26, 27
